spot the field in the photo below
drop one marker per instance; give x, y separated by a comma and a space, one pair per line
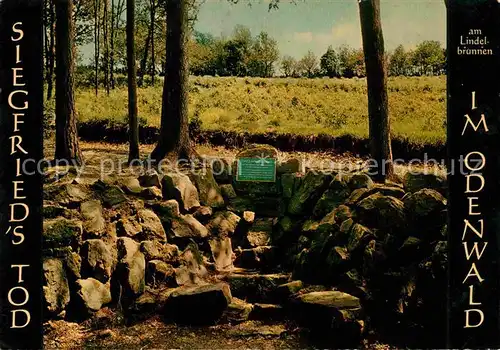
284, 105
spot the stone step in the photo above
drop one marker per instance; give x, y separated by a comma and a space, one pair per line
255, 287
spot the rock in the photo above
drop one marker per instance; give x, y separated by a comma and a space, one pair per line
92, 294
411, 250
336, 194
386, 190
56, 293
267, 312
416, 181
359, 236
51, 210
292, 165
208, 189
426, 210
105, 333
94, 223
260, 232
128, 227
310, 191
150, 178
192, 270
228, 191
166, 210
374, 258
360, 180
263, 257
185, 227
382, 212
342, 213
237, 311
151, 225
110, 195
97, 260
151, 193
69, 195
203, 214
222, 170
288, 185
222, 253
160, 273
154, 250
61, 232
184, 304
256, 287
356, 196
130, 185
248, 217
131, 267
285, 291
179, 187
223, 224
258, 151
330, 311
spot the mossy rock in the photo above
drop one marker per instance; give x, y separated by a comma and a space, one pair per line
336, 194
62, 232
312, 188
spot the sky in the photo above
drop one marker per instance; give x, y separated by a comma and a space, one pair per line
316, 24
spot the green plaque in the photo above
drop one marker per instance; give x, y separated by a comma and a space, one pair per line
256, 169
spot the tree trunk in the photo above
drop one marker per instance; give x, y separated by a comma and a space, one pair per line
174, 132
50, 53
152, 69
144, 60
96, 44
378, 110
112, 49
106, 45
132, 84
67, 147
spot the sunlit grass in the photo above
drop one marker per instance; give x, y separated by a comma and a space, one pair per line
298, 106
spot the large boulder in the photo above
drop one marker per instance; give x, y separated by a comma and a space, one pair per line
260, 232
129, 185
426, 210
150, 178
185, 227
110, 195
360, 180
68, 195
336, 194
222, 253
208, 189
62, 232
312, 187
185, 303
238, 311
131, 267
97, 260
223, 223
256, 287
154, 250
159, 273
382, 212
55, 288
416, 181
178, 186
151, 225
192, 269
91, 294
94, 223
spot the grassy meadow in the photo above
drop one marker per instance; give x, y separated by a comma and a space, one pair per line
285, 105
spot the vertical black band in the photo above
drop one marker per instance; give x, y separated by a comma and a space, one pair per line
473, 92
28, 13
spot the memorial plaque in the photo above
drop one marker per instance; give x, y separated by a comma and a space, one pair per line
256, 169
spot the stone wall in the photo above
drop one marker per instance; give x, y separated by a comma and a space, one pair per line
330, 251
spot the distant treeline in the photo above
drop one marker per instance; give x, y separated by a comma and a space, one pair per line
245, 55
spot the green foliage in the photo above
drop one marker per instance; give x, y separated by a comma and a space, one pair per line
330, 63
288, 105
